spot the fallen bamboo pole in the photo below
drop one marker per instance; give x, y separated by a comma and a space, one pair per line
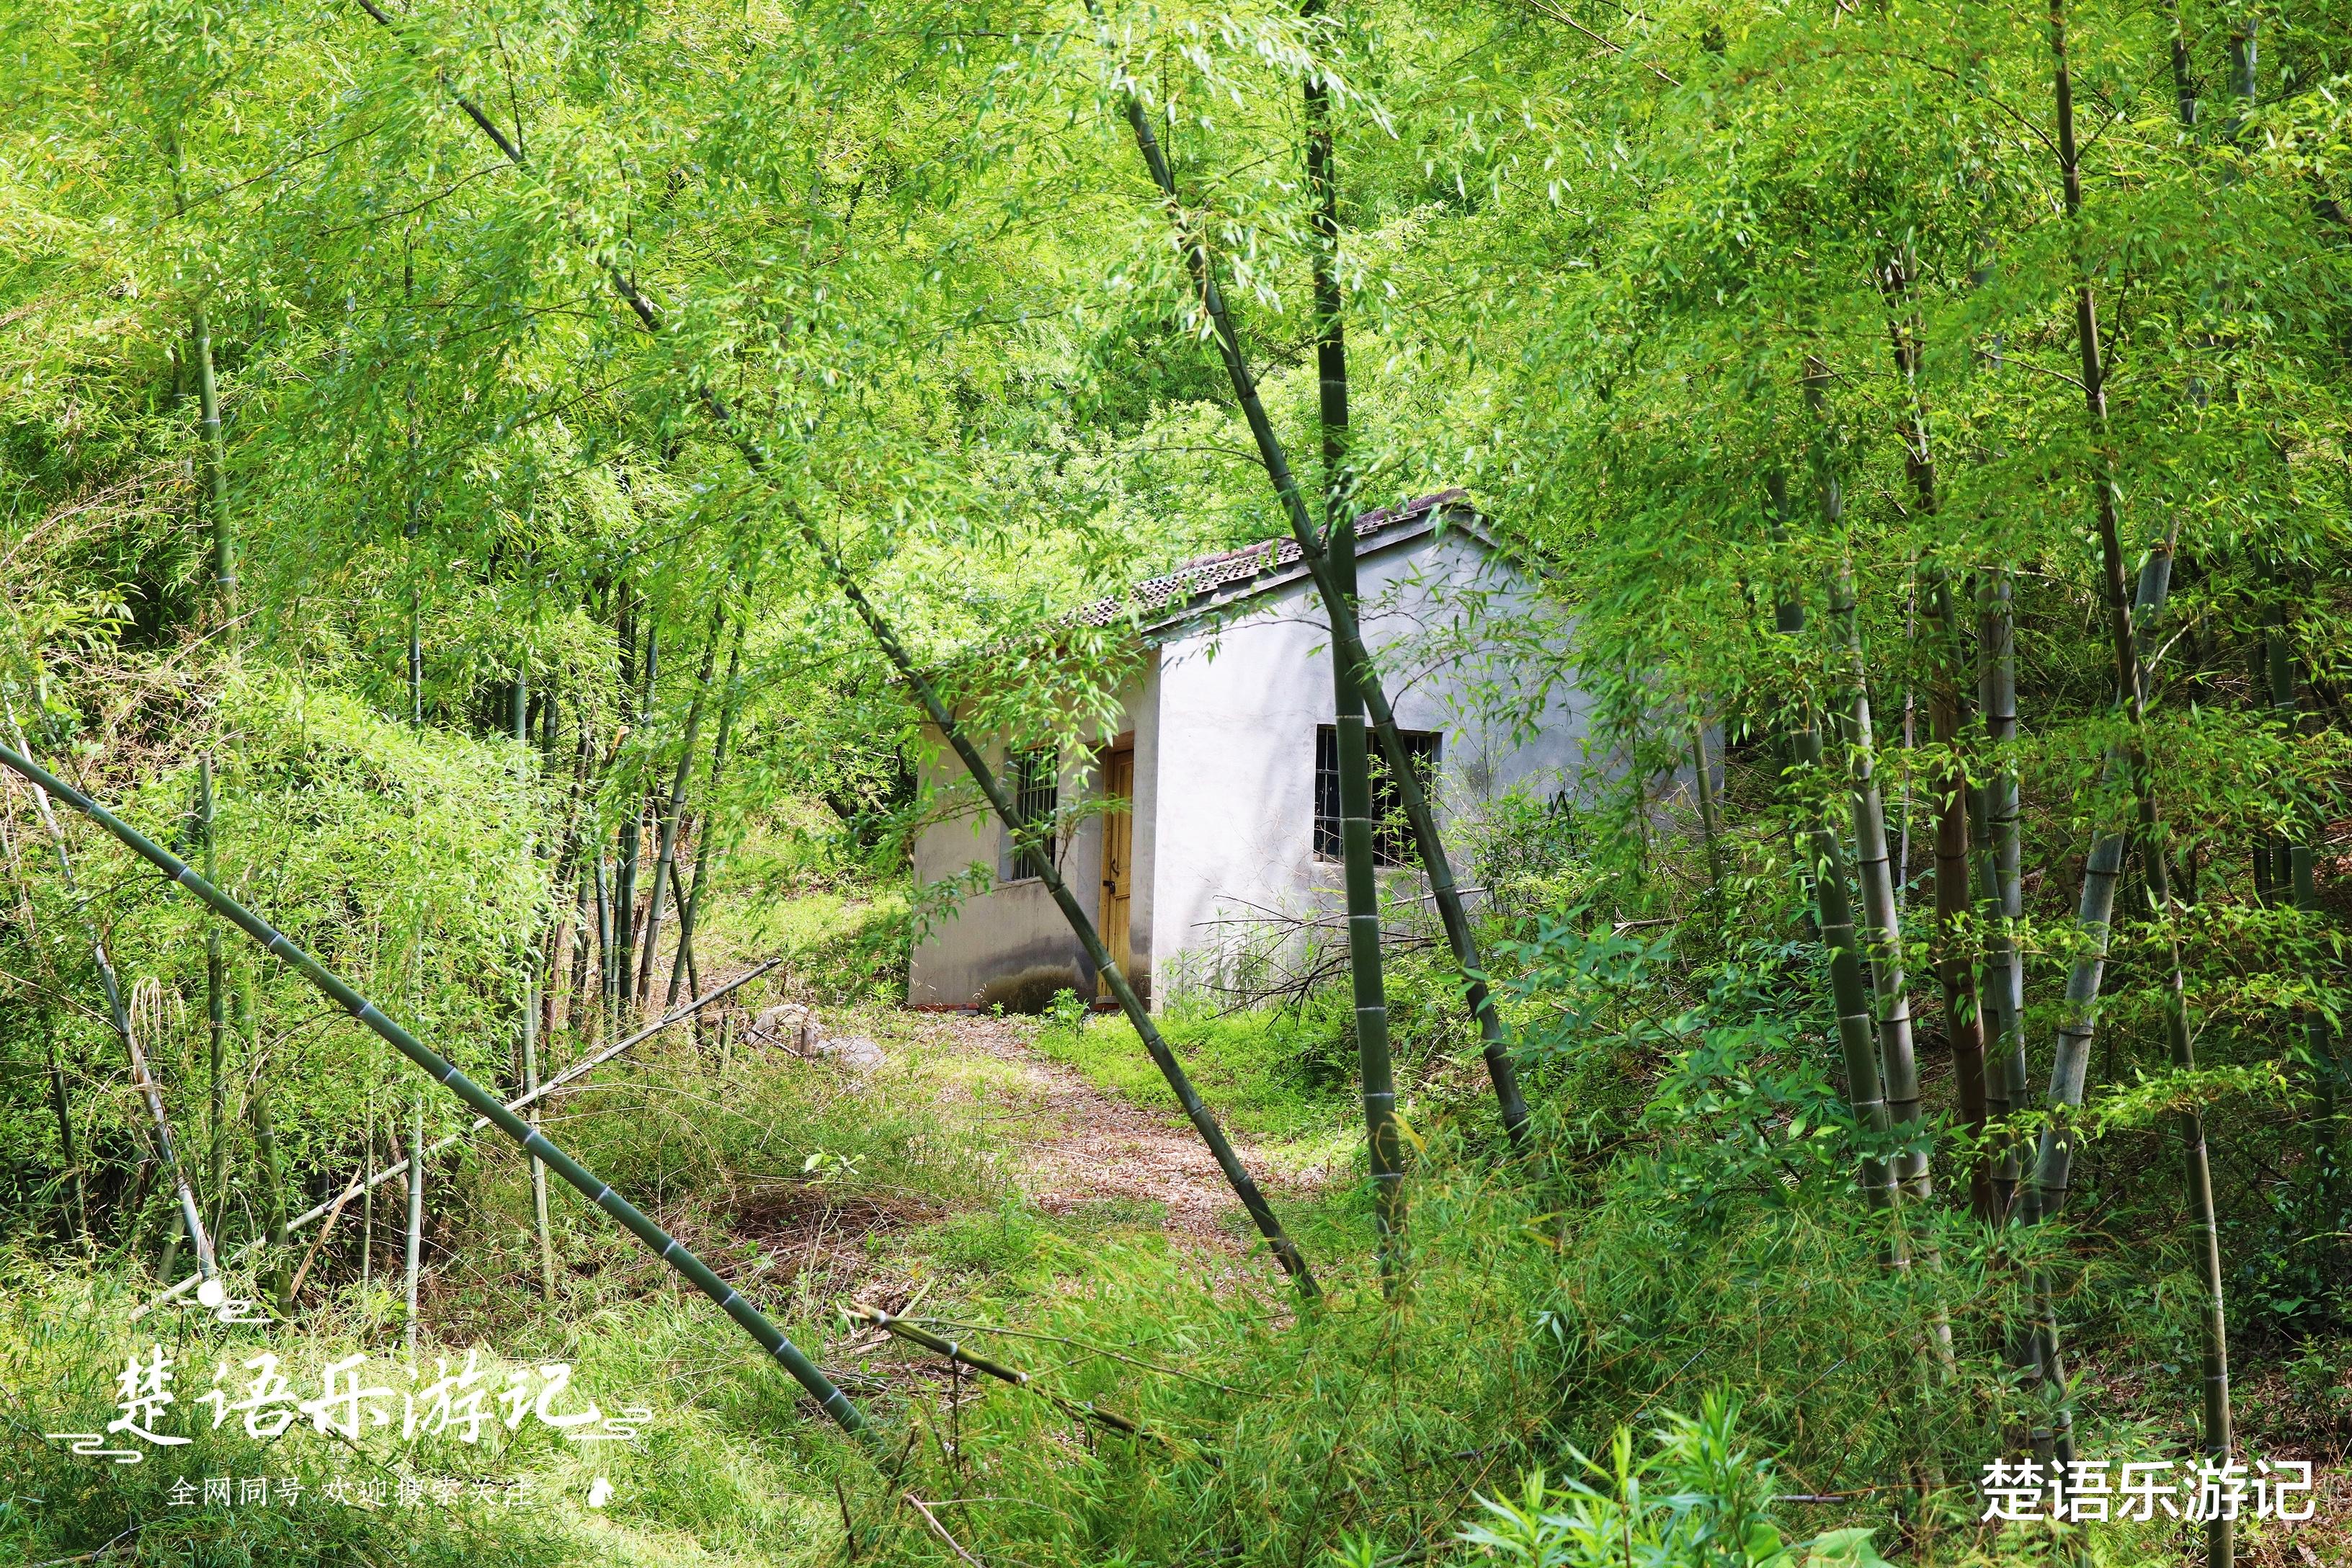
521, 1103
953, 1349
746, 1317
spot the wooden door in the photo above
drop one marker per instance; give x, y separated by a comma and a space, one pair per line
1119, 857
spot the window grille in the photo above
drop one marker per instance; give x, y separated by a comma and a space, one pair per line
1391, 835
1033, 779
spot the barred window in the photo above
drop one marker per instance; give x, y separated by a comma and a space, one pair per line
1032, 777
1392, 837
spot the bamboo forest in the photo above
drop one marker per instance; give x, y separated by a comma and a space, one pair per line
1325, 784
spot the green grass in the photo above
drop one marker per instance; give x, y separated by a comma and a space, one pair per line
1269, 1076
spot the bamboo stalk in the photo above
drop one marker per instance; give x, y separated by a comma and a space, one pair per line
679, 1257
1375, 1071
529, 986
415, 1256
2296, 856
191, 1219
706, 850
954, 1351
216, 1009
674, 812
1849, 996
59, 1103
1347, 644
1881, 931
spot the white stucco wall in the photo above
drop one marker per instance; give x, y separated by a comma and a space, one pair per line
1238, 707
1009, 926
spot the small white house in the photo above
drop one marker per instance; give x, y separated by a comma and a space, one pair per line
1226, 760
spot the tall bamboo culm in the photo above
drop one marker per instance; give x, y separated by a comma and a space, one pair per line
1346, 639
531, 981
1375, 1071
1999, 877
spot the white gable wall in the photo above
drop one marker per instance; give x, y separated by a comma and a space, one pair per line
1238, 708
1223, 724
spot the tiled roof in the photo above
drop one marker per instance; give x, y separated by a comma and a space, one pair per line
1228, 574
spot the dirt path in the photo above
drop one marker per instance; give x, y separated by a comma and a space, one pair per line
1078, 1145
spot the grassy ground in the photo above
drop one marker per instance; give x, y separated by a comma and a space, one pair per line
971, 1183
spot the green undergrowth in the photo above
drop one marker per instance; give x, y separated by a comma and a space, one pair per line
1665, 1326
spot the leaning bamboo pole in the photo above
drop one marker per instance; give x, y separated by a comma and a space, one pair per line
667, 1249
1286, 1251
1347, 638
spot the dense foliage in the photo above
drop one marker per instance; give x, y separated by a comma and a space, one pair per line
496, 447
